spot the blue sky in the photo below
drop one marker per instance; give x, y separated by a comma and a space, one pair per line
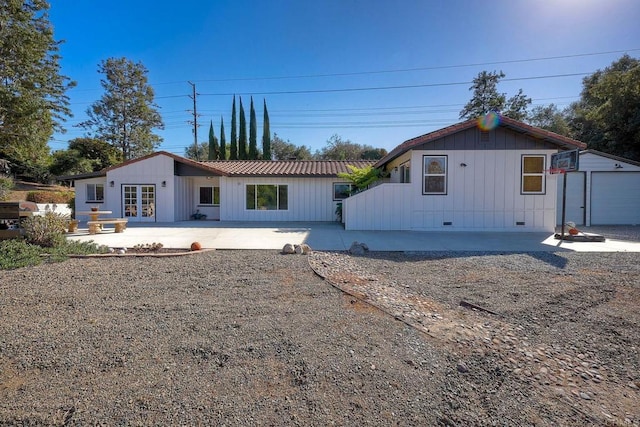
374, 72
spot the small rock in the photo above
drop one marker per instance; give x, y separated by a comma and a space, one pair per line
302, 249
633, 386
358, 248
288, 249
462, 368
585, 396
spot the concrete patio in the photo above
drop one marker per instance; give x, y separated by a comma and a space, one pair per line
331, 236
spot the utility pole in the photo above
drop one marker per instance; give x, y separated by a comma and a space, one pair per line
195, 120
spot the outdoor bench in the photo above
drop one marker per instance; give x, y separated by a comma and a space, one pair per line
96, 226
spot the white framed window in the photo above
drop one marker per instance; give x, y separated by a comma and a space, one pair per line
342, 190
533, 178
209, 196
267, 197
95, 192
435, 175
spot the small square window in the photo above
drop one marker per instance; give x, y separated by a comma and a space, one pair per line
209, 196
342, 190
95, 192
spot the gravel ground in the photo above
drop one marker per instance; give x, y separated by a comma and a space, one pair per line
258, 338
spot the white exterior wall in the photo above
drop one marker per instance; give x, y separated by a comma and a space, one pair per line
184, 205
309, 199
151, 171
81, 196
484, 195
212, 212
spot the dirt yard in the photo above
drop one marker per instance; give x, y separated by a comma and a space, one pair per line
258, 338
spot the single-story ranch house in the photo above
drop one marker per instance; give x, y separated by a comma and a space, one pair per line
456, 178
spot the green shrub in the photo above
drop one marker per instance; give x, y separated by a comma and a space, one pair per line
6, 185
16, 253
50, 196
47, 230
74, 247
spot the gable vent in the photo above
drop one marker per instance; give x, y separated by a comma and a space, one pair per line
484, 136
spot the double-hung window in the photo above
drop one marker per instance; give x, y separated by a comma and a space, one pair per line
533, 178
209, 196
435, 174
267, 197
95, 192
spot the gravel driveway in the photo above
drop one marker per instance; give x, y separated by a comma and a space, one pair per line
258, 338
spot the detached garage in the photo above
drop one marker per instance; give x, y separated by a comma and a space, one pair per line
605, 191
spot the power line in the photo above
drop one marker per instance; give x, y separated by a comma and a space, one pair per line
371, 88
404, 70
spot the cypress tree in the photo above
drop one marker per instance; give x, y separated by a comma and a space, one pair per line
253, 133
223, 142
266, 135
213, 144
242, 135
233, 155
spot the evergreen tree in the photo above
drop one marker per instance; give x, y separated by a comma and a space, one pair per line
242, 139
253, 133
32, 90
126, 114
486, 98
223, 142
266, 135
213, 144
233, 154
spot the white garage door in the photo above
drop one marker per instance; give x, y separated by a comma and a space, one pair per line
615, 198
574, 208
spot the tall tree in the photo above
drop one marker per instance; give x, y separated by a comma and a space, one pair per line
340, 149
202, 153
126, 114
486, 98
253, 133
242, 139
285, 150
607, 116
549, 117
223, 141
213, 144
33, 100
84, 155
233, 154
266, 134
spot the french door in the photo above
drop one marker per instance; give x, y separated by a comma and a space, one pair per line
139, 202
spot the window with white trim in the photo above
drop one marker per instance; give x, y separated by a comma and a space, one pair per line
267, 197
435, 175
209, 196
95, 192
533, 177
342, 190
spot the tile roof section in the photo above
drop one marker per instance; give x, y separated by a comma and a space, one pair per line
292, 168
554, 138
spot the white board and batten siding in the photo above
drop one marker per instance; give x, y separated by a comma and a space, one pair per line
150, 171
484, 195
309, 199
